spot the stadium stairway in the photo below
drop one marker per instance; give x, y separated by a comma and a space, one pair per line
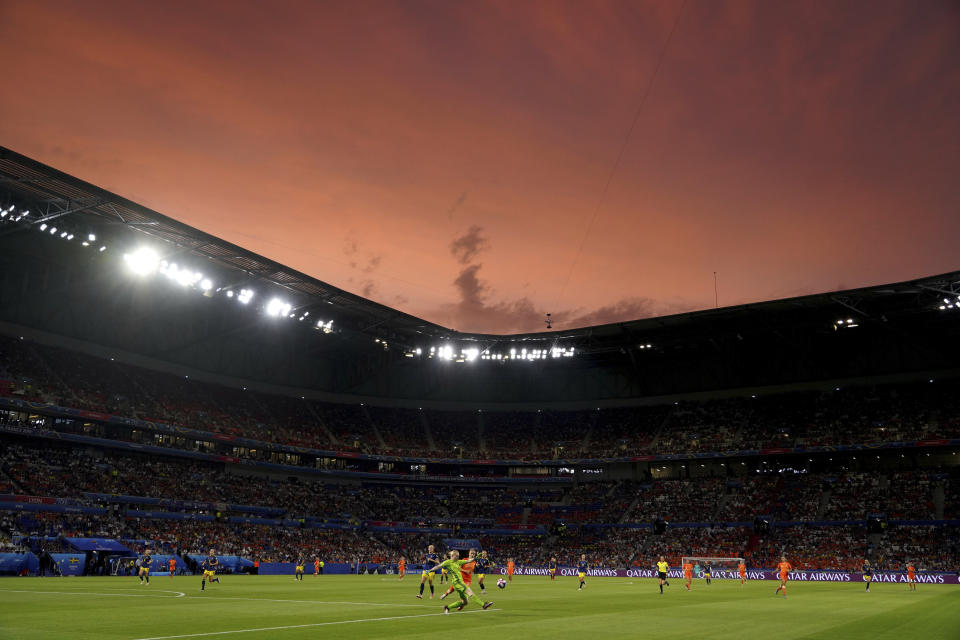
613, 488
426, 429
585, 442
140, 389
629, 510
824, 503
480, 425
6, 477
939, 498
663, 425
373, 425
52, 373
322, 423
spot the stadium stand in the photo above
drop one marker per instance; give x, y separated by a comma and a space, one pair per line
179, 417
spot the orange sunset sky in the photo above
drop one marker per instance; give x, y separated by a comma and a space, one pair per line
451, 158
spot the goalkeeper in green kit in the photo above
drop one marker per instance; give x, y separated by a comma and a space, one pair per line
453, 566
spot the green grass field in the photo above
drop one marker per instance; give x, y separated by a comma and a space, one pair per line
359, 607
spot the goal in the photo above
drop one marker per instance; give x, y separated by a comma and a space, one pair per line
722, 567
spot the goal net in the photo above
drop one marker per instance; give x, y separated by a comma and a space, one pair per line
719, 567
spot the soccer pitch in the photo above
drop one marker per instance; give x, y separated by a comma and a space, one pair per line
358, 607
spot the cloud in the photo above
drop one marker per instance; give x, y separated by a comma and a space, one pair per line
456, 205
474, 310
372, 264
350, 244
469, 245
623, 310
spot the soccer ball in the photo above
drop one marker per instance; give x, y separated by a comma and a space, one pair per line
501, 583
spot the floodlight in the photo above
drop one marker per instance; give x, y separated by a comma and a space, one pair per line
63, 235
3, 214
102, 249
229, 294
206, 285
53, 230
245, 296
86, 244
142, 261
43, 227
70, 237
91, 237
277, 307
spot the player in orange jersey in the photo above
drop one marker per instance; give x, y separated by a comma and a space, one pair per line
402, 567
466, 572
511, 567
316, 565
688, 573
172, 563
784, 570
911, 576
742, 567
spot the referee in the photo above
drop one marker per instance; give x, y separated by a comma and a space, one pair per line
662, 568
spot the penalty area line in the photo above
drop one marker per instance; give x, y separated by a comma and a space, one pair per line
94, 593
300, 626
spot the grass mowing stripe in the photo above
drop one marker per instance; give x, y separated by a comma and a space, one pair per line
303, 626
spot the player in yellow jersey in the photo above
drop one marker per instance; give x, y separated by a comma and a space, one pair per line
209, 567
582, 567
145, 562
430, 560
662, 568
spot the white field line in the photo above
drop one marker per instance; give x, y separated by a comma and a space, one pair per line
180, 594
300, 626
93, 593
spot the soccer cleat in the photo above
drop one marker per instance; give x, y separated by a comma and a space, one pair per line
487, 605
446, 610
420, 596
460, 608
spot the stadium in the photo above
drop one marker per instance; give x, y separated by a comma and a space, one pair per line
225, 401
485, 319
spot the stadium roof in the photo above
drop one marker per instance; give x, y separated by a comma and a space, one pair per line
52, 194
904, 312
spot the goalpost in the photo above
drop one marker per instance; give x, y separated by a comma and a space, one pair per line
722, 567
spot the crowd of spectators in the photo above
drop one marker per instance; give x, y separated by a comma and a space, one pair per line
848, 415
841, 548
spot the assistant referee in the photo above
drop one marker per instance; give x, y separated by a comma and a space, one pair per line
662, 568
